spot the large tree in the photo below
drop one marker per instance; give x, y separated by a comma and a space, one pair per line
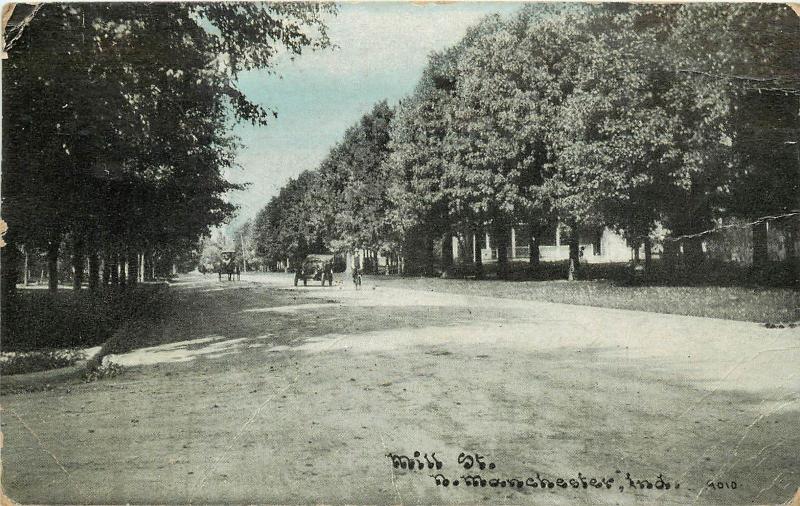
117, 118
355, 184
287, 227
626, 116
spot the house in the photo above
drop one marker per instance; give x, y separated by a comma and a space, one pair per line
603, 246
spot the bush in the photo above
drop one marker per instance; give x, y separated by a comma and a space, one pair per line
34, 361
100, 372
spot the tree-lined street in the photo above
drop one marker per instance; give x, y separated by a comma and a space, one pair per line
257, 392
661, 122
577, 227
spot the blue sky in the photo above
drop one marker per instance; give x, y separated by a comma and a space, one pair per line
382, 49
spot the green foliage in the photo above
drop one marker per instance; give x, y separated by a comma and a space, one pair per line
354, 184
619, 115
117, 117
341, 206
290, 224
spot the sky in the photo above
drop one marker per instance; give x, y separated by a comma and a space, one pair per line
382, 50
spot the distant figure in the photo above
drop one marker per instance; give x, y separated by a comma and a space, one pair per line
238, 277
356, 277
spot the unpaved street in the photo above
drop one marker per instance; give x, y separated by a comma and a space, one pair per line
284, 395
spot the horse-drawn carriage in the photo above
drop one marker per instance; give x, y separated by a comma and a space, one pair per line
228, 265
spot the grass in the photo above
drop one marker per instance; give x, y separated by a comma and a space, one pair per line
746, 303
710, 273
34, 361
36, 320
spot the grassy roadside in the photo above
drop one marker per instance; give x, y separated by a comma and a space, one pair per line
763, 305
42, 330
39, 360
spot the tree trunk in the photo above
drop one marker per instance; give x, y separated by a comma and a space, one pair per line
502, 260
77, 263
447, 253
52, 265
670, 255
478, 255
693, 255
501, 240
107, 263
133, 268
114, 265
693, 251
9, 271
648, 254
94, 270
791, 252
534, 256
760, 250
25, 269
123, 271
428, 254
574, 249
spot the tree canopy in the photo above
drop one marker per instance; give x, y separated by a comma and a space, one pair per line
116, 131
634, 117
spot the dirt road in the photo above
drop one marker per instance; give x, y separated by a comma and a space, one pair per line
284, 395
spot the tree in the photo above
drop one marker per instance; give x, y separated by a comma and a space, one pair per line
355, 182
498, 133
285, 227
117, 119
734, 83
635, 117
418, 165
